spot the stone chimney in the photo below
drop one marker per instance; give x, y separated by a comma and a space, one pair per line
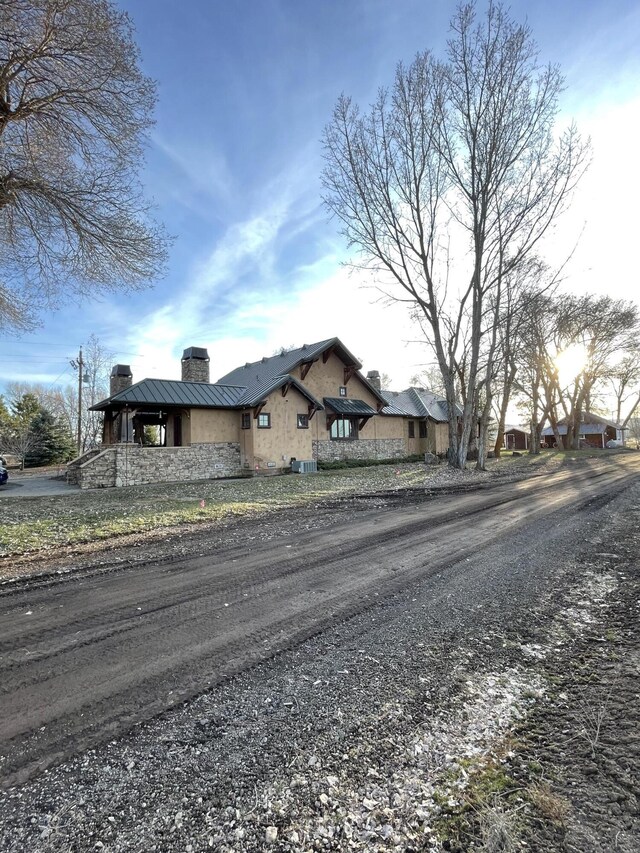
195, 365
121, 378
373, 377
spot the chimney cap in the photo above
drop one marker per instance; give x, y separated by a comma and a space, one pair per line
195, 352
373, 374
121, 370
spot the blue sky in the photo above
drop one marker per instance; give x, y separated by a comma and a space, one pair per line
245, 89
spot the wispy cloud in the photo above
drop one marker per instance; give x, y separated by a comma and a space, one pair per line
237, 272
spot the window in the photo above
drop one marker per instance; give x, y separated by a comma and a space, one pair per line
303, 421
264, 421
344, 428
246, 420
343, 391
412, 429
423, 429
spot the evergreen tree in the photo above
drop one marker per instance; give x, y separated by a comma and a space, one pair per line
54, 442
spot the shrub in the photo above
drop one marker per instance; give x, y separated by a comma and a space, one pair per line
339, 464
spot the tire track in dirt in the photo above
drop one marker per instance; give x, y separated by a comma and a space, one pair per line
87, 664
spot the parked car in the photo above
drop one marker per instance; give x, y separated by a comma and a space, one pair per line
4, 475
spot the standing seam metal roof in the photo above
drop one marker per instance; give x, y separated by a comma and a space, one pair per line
257, 393
349, 406
257, 375
257, 372
417, 403
169, 392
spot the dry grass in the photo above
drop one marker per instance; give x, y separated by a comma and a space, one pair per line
552, 806
31, 524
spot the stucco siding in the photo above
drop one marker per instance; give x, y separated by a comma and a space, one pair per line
283, 440
441, 432
325, 380
207, 425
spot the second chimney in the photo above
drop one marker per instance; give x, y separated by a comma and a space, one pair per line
121, 378
195, 365
373, 377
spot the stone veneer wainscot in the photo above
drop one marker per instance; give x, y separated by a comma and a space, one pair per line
359, 448
132, 465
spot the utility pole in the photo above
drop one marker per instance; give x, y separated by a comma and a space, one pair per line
78, 365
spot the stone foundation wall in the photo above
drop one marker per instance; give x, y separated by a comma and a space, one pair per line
132, 465
362, 448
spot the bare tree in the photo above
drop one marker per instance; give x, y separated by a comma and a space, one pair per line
74, 112
625, 384
430, 378
97, 360
633, 437
450, 181
604, 329
524, 293
62, 401
600, 330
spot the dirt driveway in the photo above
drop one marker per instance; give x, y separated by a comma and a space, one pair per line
397, 628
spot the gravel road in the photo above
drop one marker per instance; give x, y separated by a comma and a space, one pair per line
345, 675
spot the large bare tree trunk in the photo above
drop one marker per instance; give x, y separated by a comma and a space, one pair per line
467, 143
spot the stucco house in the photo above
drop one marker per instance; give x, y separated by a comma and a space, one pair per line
307, 404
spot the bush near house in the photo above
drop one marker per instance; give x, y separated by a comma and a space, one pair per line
339, 464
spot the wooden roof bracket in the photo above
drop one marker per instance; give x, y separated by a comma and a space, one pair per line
258, 409
305, 368
348, 373
326, 355
330, 419
285, 388
363, 421
312, 409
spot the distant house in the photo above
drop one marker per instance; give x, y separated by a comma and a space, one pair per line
516, 437
307, 404
595, 431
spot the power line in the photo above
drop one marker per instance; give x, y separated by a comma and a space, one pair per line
34, 344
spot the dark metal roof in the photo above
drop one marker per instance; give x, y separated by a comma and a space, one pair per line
203, 395
254, 395
168, 392
257, 373
417, 403
349, 406
257, 376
